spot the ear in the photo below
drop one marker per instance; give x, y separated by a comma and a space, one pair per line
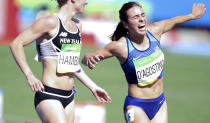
125, 24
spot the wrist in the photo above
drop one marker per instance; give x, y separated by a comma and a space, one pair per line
191, 16
93, 87
28, 74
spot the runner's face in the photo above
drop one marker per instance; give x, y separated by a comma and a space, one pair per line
137, 20
80, 5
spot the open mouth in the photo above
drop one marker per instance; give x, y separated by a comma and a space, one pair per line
142, 27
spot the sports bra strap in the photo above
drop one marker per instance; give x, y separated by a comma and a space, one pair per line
151, 37
129, 45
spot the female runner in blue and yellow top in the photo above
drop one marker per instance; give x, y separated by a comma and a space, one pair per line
137, 47
59, 43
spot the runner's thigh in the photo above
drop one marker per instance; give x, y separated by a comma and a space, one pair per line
135, 114
69, 111
162, 115
51, 111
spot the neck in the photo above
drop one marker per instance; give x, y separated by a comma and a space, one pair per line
66, 13
137, 39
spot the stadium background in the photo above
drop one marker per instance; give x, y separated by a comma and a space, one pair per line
187, 49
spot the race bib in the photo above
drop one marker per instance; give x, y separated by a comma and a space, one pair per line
68, 59
149, 68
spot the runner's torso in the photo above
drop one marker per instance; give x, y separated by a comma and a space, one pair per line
144, 69
60, 57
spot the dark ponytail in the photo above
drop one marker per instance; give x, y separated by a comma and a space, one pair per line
121, 30
61, 2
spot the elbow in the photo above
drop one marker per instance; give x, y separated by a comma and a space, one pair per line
14, 46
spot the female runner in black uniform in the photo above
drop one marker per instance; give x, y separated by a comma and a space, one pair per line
58, 43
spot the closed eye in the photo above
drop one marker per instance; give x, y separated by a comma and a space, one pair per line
143, 14
136, 17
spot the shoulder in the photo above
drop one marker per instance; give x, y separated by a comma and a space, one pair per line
117, 47
117, 44
46, 23
155, 29
77, 22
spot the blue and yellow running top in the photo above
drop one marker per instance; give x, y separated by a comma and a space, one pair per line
144, 67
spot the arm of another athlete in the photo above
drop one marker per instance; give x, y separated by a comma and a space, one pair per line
110, 50
99, 93
163, 26
37, 29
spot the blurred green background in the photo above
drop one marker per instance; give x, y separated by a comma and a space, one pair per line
186, 86
186, 78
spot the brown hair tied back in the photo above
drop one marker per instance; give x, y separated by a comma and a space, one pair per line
61, 2
121, 30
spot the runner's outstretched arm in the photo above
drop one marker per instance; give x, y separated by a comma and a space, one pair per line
99, 93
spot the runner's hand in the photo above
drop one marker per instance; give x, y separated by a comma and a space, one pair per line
35, 84
101, 95
198, 11
91, 61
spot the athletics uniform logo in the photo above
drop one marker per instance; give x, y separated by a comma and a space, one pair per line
63, 34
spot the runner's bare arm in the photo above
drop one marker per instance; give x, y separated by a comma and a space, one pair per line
99, 93
37, 29
90, 59
158, 28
